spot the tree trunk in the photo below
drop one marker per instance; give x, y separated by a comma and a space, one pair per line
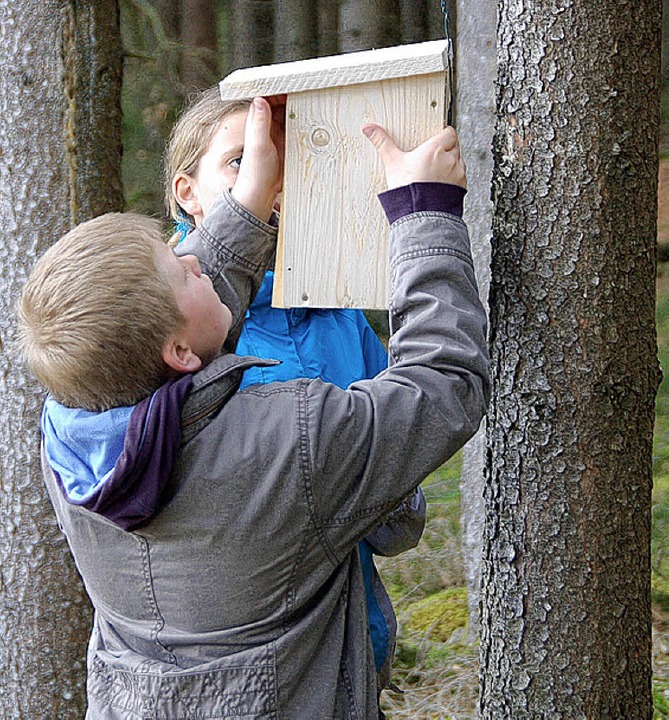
566, 622
435, 18
328, 28
367, 24
295, 30
413, 15
475, 121
169, 12
60, 160
93, 72
199, 60
250, 33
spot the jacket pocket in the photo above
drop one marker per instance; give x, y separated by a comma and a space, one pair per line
217, 690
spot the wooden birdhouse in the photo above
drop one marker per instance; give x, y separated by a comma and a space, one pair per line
333, 235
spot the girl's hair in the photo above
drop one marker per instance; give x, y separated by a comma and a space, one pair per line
96, 313
190, 139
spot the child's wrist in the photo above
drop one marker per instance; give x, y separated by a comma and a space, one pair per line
422, 197
254, 202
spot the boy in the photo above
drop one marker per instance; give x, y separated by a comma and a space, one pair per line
216, 530
202, 160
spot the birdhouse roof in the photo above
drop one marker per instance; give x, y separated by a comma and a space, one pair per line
336, 70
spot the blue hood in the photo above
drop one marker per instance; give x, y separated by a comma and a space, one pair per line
117, 462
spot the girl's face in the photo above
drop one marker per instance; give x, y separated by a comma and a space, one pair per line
216, 171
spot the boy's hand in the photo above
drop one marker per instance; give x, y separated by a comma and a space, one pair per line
260, 175
436, 160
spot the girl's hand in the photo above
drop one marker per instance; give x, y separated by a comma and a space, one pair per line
436, 160
260, 177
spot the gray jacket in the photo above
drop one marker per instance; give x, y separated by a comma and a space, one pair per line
242, 596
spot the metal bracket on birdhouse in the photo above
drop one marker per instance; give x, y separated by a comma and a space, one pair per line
450, 55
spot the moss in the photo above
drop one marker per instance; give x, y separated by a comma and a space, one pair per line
440, 614
659, 591
660, 539
406, 653
660, 698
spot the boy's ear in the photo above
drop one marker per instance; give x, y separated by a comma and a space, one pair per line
184, 188
180, 357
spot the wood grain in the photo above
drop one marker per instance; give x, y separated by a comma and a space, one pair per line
336, 70
333, 235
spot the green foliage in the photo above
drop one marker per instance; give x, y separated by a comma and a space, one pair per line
662, 323
153, 94
660, 544
436, 563
149, 101
440, 678
147, 117
660, 526
413, 652
661, 698
438, 616
664, 122
660, 521
426, 585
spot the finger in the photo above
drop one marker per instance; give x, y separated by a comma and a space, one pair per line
258, 122
383, 143
448, 138
278, 127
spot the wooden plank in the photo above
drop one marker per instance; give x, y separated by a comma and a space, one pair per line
332, 249
336, 70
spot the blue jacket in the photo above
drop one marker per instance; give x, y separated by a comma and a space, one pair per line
340, 347
337, 346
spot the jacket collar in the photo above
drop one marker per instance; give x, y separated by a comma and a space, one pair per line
212, 387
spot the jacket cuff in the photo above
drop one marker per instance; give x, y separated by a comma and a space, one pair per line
422, 196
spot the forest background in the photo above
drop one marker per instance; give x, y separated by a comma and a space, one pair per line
172, 48
566, 614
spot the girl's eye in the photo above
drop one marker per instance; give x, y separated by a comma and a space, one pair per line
235, 163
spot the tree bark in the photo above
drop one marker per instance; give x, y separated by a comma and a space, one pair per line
367, 24
199, 59
295, 30
413, 19
60, 161
93, 76
475, 121
250, 33
169, 12
566, 622
328, 28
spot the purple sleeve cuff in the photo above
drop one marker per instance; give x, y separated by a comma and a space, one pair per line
422, 196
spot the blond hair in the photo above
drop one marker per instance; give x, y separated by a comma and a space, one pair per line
96, 312
190, 138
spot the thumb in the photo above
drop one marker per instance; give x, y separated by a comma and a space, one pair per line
380, 139
258, 122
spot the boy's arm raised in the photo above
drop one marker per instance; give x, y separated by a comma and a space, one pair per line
371, 445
